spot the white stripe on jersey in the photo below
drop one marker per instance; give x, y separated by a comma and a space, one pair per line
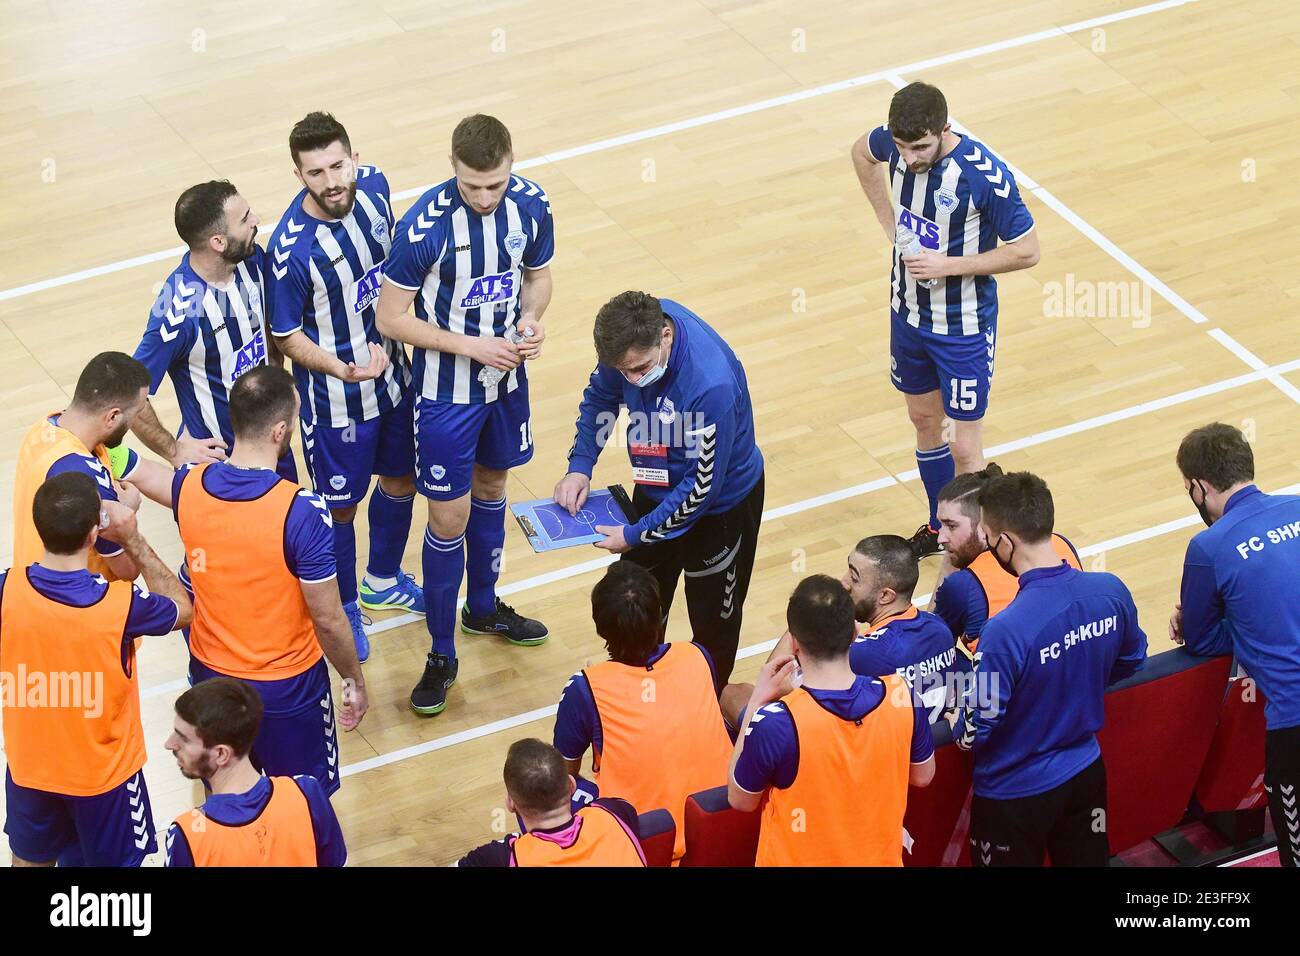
198, 367
456, 314
906, 284
514, 223
970, 245
356, 329
324, 317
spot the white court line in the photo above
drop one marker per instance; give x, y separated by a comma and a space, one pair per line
763, 647
1253, 856
668, 128
1038, 438
1254, 361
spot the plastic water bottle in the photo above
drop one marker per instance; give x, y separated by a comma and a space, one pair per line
489, 376
908, 243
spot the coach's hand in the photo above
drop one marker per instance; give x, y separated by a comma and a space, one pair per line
614, 541
352, 372
355, 704
928, 265
1176, 625
531, 347
571, 492
497, 353
197, 450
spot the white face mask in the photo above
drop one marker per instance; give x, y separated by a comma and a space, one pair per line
652, 376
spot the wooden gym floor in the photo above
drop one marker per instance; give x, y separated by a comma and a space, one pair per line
698, 149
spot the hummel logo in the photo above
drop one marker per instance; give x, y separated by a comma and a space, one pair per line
464, 248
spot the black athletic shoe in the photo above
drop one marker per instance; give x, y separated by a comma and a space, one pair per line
925, 542
430, 695
504, 622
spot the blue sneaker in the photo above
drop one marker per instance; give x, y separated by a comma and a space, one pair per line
358, 622
405, 595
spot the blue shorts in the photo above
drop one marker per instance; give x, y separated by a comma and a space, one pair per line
450, 439
342, 461
111, 829
960, 367
298, 734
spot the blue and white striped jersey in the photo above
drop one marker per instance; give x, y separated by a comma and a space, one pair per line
468, 270
204, 337
962, 206
324, 278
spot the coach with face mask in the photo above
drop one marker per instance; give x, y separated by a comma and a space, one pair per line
1037, 702
698, 472
1241, 578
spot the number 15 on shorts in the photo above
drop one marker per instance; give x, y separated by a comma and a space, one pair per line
963, 397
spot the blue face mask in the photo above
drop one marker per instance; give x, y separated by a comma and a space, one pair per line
654, 375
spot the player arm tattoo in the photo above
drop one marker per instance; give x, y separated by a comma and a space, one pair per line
158, 577
153, 433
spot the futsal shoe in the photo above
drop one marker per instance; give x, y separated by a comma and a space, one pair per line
430, 695
925, 542
359, 637
504, 622
405, 595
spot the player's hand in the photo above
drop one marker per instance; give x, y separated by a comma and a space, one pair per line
121, 524
497, 353
197, 450
355, 704
775, 680
531, 347
128, 494
571, 492
352, 372
1176, 625
614, 540
928, 265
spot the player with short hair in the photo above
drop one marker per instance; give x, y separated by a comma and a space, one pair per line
473, 255
1238, 596
326, 258
836, 749
1040, 681
959, 200
207, 326
656, 749
260, 564
75, 792
901, 638
540, 789
247, 819
111, 391
978, 587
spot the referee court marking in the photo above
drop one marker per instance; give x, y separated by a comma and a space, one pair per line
507, 723
807, 504
668, 128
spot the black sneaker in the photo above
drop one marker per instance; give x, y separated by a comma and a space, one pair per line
504, 622
430, 695
925, 542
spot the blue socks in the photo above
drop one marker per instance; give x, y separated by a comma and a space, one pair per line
345, 556
443, 565
390, 526
937, 469
485, 540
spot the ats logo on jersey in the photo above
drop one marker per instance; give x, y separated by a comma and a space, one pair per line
493, 288
249, 357
365, 291
926, 231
